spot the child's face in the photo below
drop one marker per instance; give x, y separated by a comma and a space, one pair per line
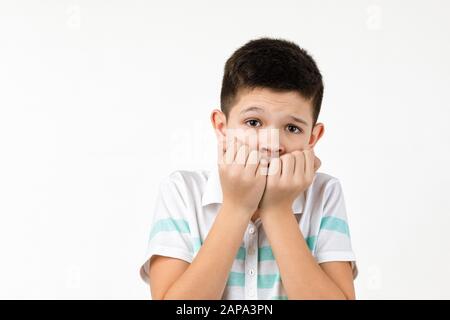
274, 122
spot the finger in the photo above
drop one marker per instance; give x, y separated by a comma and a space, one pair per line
238, 145
317, 163
274, 167
252, 161
309, 163
263, 167
299, 164
287, 165
221, 147
252, 138
231, 149
297, 155
241, 155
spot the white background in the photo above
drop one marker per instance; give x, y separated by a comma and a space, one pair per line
99, 100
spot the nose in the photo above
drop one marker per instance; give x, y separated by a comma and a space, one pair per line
271, 151
270, 144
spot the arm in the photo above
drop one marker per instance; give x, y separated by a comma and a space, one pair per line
302, 277
242, 188
174, 279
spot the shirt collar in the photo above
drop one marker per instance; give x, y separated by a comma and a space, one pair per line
213, 192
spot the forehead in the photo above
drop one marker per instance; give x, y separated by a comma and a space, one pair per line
287, 102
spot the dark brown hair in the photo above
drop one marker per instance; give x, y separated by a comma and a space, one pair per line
276, 64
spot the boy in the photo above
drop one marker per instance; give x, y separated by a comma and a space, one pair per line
262, 224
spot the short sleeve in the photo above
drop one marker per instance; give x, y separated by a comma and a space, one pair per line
333, 240
169, 232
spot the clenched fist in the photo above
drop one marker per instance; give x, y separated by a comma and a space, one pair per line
288, 176
242, 174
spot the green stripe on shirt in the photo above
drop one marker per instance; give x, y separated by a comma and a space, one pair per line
197, 243
279, 298
240, 254
236, 279
268, 280
170, 224
334, 224
311, 242
266, 253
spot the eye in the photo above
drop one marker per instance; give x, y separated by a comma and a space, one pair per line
294, 129
253, 123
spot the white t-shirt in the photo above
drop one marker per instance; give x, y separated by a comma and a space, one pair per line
188, 202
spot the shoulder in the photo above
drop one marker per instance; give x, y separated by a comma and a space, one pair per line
187, 177
184, 184
324, 183
325, 189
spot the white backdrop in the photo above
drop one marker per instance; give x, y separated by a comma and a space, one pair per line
99, 100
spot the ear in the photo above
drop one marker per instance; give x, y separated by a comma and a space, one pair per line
316, 133
219, 123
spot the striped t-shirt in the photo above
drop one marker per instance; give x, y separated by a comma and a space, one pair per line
188, 202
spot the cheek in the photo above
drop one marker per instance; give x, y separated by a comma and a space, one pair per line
244, 134
251, 138
300, 143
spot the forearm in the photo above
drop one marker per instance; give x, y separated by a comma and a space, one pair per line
207, 275
301, 275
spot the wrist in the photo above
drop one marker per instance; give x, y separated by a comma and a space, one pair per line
237, 209
276, 209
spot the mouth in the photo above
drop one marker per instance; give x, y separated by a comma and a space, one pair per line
268, 157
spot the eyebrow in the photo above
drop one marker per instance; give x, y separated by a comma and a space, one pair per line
253, 108
261, 110
298, 120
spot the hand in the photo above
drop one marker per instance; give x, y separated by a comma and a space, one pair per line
288, 176
242, 175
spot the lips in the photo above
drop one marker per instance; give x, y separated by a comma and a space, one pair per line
268, 157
